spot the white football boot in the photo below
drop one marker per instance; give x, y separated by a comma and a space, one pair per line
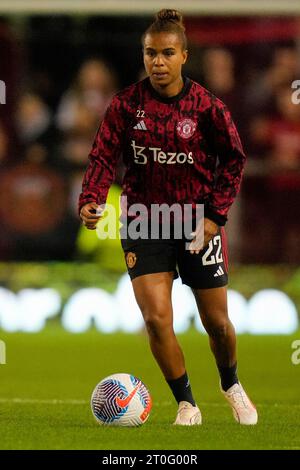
244, 411
187, 414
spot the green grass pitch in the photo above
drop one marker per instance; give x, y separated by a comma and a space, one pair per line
46, 385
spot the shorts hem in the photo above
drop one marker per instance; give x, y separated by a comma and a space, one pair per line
209, 285
135, 275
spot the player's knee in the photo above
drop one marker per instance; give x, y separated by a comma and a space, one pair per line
157, 322
218, 330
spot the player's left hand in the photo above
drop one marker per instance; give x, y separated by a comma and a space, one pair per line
205, 231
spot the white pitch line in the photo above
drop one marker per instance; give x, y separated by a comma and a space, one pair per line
225, 405
43, 402
69, 401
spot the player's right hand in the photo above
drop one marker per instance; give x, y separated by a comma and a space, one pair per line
90, 213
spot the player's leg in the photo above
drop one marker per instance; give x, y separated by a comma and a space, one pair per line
212, 306
153, 295
206, 274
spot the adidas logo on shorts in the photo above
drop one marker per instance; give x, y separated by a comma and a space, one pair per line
219, 272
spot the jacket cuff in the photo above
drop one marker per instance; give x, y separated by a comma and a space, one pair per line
214, 216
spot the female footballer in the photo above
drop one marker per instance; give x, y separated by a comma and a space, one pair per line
179, 146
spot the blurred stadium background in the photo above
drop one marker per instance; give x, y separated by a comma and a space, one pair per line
61, 62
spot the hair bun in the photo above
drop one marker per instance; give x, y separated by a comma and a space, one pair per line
170, 15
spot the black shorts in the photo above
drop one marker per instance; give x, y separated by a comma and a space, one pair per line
205, 270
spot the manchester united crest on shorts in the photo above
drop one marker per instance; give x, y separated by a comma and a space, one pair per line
186, 128
130, 259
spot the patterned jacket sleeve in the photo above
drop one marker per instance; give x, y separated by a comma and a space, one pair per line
231, 160
104, 155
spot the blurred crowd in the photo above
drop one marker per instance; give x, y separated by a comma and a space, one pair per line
45, 142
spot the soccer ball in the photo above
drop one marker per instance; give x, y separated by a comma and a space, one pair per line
121, 400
